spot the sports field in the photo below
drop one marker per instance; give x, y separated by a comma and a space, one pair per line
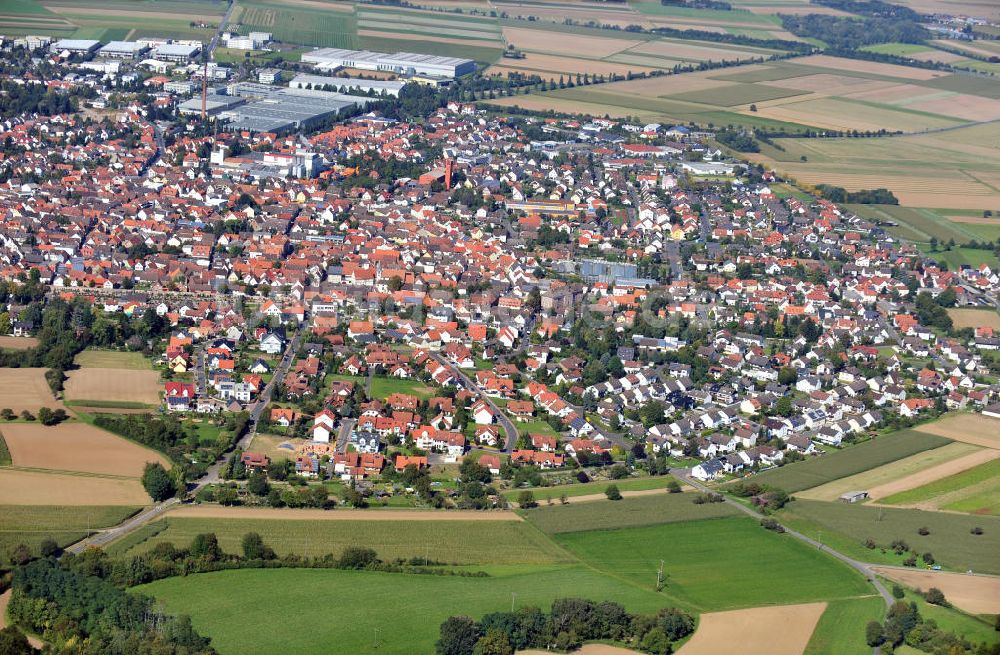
845, 527
707, 563
850, 461
416, 603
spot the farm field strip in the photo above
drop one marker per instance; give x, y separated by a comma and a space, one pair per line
76, 447
855, 459
25, 389
967, 428
841, 629
32, 523
962, 318
898, 471
703, 569
113, 385
45, 488
257, 513
781, 630
845, 527
934, 473
976, 594
625, 513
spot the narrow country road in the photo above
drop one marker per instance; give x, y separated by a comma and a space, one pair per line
108, 535
864, 569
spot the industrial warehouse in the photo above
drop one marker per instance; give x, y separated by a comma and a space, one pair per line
404, 63
380, 87
262, 108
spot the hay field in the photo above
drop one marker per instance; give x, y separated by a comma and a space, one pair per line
976, 594
40, 488
534, 62
973, 318
862, 66
112, 359
113, 385
781, 630
17, 343
922, 463
76, 447
565, 43
923, 170
967, 428
25, 388
934, 473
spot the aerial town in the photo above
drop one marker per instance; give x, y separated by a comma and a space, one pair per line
272, 329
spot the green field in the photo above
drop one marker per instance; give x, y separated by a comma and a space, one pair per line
899, 49
926, 223
314, 609
598, 487
5, 459
984, 501
112, 359
382, 387
296, 24
841, 629
718, 564
625, 513
453, 542
988, 472
852, 459
30, 524
845, 527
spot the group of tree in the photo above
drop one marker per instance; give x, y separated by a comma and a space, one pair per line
863, 197
81, 613
851, 33
570, 622
904, 625
932, 311
737, 140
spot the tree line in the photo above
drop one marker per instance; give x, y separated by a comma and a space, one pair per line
569, 623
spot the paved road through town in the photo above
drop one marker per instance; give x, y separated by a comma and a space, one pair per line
505, 423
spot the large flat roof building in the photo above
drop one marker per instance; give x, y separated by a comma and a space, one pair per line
405, 63
75, 45
347, 84
122, 50
176, 52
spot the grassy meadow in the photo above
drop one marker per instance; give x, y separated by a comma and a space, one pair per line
841, 629
452, 542
708, 563
845, 527
625, 513
30, 524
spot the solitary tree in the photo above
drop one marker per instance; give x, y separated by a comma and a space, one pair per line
157, 482
612, 492
526, 499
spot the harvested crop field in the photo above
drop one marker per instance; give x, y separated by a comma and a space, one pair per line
976, 594
219, 512
934, 473
112, 359
565, 43
687, 50
402, 36
974, 318
899, 471
782, 630
845, 114
862, 66
967, 428
113, 385
564, 65
76, 447
42, 488
17, 343
25, 389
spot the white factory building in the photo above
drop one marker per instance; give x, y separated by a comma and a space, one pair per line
346, 84
406, 63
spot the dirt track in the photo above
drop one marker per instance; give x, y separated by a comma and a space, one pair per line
976, 594
933, 474
219, 512
782, 630
4, 600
